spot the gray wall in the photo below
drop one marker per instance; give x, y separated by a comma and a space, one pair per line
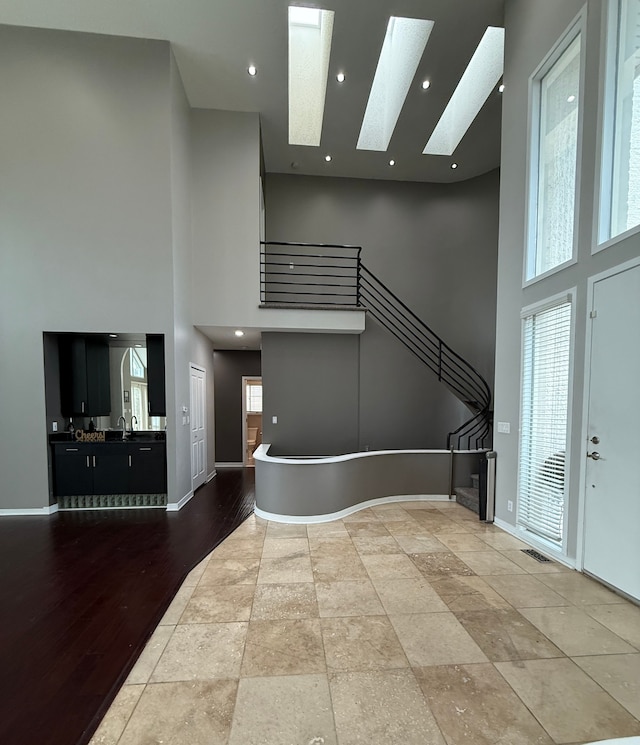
229, 367
310, 382
435, 246
86, 224
532, 29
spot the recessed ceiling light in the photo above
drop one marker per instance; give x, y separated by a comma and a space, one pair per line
402, 50
340, 77
501, 88
310, 34
327, 158
392, 162
252, 70
478, 80
425, 85
238, 332
113, 336
454, 166
571, 99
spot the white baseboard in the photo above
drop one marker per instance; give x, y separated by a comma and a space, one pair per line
530, 540
210, 476
329, 517
230, 465
50, 509
175, 506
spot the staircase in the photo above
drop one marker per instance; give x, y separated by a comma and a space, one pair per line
469, 496
333, 276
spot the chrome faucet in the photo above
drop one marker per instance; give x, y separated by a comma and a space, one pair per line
132, 418
124, 427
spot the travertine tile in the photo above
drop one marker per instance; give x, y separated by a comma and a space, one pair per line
390, 513
420, 544
115, 720
382, 706
390, 566
239, 548
467, 593
575, 632
489, 562
408, 596
332, 546
473, 705
178, 604
293, 568
462, 542
192, 579
619, 675
284, 530
440, 564
370, 529
366, 515
338, 567
141, 671
288, 600
525, 591
435, 639
437, 522
217, 603
252, 527
284, 709
202, 652
361, 643
288, 647
567, 702
231, 572
504, 634
530, 565
274, 548
186, 713
503, 541
579, 589
623, 619
357, 598
406, 527
377, 545
335, 528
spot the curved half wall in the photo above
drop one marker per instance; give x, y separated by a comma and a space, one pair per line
322, 489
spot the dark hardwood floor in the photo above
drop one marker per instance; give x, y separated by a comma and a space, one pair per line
81, 593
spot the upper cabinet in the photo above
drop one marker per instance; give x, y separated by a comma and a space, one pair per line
84, 376
155, 375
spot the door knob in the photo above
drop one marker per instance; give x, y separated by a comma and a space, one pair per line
595, 439
595, 455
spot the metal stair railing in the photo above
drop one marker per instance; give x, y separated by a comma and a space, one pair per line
333, 275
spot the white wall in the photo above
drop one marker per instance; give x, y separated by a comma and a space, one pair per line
532, 30
85, 216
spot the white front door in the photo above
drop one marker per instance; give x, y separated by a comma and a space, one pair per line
612, 501
198, 427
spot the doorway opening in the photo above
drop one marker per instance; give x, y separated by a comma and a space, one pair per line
251, 417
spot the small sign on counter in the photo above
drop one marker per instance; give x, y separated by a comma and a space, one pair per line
97, 436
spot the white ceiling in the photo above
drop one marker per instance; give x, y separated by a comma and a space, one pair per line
214, 41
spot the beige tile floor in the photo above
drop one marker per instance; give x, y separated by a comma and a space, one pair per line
409, 623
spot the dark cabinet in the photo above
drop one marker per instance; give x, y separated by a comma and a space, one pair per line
109, 468
84, 376
147, 470
155, 375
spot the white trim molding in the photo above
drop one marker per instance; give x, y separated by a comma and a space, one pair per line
50, 509
175, 506
229, 465
212, 475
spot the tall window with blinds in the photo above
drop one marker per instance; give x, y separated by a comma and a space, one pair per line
544, 421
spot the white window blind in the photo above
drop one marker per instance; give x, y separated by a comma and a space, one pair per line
254, 398
543, 434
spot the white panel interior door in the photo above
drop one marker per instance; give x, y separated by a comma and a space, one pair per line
612, 500
198, 427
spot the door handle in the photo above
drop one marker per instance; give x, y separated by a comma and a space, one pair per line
594, 456
595, 439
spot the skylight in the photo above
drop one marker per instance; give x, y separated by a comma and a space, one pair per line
475, 86
310, 32
402, 50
